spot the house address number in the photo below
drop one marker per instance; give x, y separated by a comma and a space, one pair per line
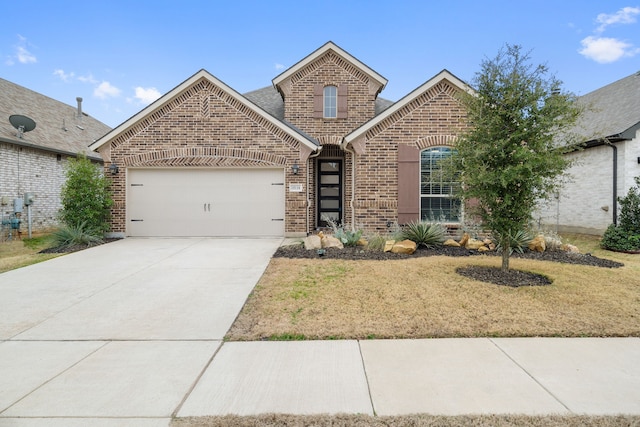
295, 188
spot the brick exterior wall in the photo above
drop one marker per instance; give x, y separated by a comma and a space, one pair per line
204, 126
431, 119
39, 172
585, 203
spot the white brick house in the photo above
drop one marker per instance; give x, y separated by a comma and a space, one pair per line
606, 166
34, 161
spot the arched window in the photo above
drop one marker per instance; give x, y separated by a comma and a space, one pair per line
330, 102
438, 201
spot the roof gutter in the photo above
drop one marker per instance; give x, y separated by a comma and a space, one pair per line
609, 141
91, 155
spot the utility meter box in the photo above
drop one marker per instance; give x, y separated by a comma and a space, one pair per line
28, 199
18, 205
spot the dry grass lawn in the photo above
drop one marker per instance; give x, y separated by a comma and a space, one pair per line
426, 298
271, 420
20, 253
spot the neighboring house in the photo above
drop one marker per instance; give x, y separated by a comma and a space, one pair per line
606, 166
33, 161
204, 160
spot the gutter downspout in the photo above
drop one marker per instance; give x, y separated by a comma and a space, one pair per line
353, 187
309, 187
615, 183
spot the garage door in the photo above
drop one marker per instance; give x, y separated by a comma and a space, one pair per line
205, 202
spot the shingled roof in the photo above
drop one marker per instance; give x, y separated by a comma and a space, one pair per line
613, 110
58, 127
271, 101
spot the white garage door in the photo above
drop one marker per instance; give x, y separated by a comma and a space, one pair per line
205, 202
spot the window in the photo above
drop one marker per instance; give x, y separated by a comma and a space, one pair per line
438, 199
330, 102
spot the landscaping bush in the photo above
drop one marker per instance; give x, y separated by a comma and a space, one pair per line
626, 235
73, 235
346, 236
86, 198
427, 234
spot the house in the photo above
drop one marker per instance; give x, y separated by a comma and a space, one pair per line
605, 167
33, 160
317, 145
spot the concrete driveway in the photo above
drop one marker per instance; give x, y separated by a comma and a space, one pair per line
86, 334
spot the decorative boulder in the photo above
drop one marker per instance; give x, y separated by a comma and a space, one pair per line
474, 244
388, 245
451, 242
538, 244
312, 242
465, 239
362, 242
331, 242
570, 248
405, 247
483, 249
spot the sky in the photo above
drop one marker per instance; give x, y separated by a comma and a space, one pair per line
120, 56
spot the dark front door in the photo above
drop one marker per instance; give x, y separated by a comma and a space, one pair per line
329, 191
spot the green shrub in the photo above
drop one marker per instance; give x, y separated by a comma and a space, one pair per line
427, 234
86, 198
626, 235
75, 235
376, 242
346, 236
619, 239
518, 241
629, 218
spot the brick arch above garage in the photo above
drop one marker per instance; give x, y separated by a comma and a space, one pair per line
205, 156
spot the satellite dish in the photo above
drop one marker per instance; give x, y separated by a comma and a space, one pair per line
22, 123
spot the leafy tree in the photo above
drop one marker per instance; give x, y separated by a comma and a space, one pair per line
507, 159
86, 197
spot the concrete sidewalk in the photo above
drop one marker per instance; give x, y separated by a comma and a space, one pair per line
130, 334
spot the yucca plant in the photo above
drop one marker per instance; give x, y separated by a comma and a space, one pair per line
75, 235
518, 241
427, 234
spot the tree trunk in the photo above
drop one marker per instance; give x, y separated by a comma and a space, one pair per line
505, 257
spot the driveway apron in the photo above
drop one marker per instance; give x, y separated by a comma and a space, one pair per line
119, 333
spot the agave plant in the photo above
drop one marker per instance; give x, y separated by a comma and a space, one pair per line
75, 235
427, 234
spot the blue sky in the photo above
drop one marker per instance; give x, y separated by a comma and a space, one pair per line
121, 55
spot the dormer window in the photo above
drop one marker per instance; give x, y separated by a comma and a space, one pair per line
330, 97
330, 102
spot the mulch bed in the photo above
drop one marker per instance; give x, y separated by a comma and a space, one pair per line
513, 278
74, 248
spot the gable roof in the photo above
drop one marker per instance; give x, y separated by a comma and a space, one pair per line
613, 111
407, 99
330, 46
58, 127
175, 92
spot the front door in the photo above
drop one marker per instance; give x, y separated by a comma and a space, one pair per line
329, 191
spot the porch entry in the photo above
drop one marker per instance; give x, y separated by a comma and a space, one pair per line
329, 191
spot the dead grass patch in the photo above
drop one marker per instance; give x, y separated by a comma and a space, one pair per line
426, 298
20, 253
273, 420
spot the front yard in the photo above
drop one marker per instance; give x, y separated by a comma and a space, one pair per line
425, 298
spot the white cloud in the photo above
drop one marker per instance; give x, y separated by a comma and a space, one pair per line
626, 15
65, 77
606, 50
106, 90
147, 95
22, 54
279, 67
88, 79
